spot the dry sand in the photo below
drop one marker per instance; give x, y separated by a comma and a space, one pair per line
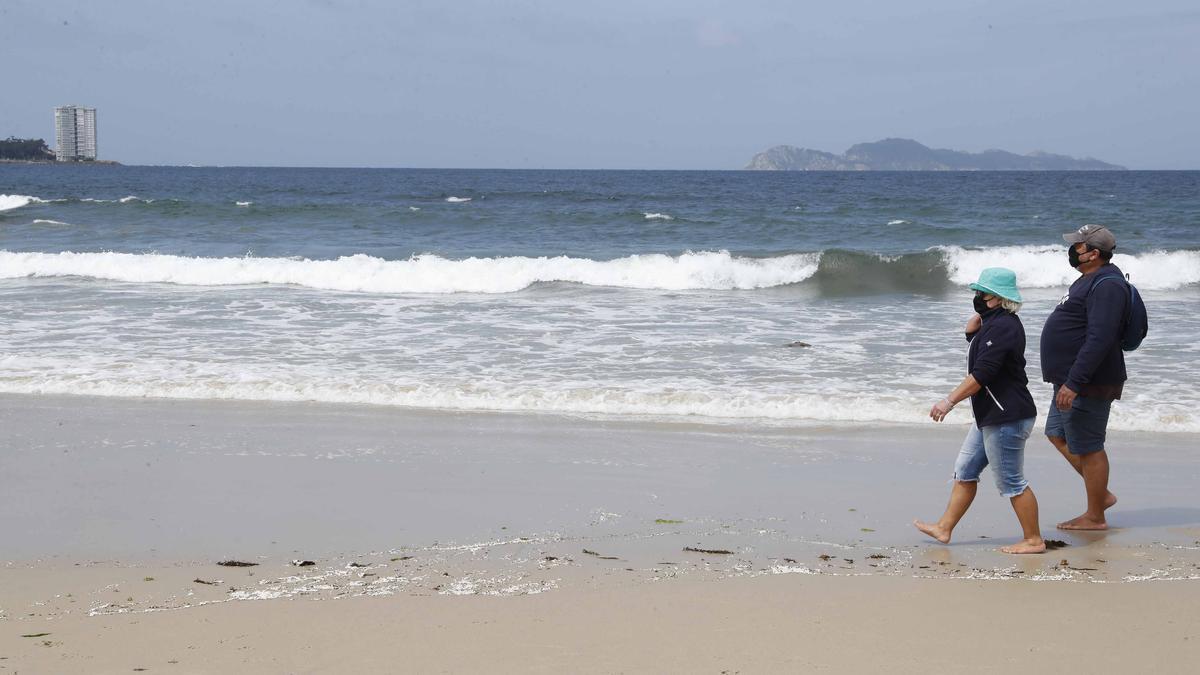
759, 625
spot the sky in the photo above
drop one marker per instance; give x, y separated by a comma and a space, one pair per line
644, 84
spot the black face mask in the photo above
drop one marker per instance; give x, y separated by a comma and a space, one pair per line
981, 306
1073, 256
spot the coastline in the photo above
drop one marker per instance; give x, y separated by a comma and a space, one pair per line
101, 162
176, 480
558, 530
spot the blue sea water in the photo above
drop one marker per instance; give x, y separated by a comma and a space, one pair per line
649, 294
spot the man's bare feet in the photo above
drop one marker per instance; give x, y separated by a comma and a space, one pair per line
1026, 546
1084, 522
934, 530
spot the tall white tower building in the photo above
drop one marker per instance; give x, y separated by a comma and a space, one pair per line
75, 133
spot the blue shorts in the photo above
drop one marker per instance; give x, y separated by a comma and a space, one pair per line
1084, 426
1003, 447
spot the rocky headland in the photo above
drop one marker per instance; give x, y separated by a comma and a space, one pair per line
902, 154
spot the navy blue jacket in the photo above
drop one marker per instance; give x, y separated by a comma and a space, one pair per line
1081, 342
996, 359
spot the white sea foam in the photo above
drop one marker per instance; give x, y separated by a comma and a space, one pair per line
129, 199
46, 221
148, 380
10, 202
244, 203
414, 208
424, 273
658, 216
458, 200
898, 222
1046, 266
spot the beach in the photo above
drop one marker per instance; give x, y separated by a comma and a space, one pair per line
459, 542
356, 420
783, 624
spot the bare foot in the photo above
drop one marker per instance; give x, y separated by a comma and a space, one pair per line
933, 530
1026, 546
1110, 501
1084, 522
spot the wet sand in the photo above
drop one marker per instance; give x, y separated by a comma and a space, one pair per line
115, 513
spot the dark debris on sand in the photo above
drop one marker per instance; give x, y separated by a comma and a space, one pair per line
1054, 544
237, 563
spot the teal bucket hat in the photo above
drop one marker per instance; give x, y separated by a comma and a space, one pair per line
999, 281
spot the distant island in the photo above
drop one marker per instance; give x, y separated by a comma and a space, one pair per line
35, 150
25, 150
902, 154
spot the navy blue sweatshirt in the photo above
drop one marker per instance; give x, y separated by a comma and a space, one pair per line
1081, 342
996, 359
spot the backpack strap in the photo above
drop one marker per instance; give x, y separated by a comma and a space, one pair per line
1105, 278
1129, 286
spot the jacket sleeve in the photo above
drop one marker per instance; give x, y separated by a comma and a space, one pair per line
1105, 313
998, 340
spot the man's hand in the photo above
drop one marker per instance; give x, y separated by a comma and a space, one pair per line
940, 409
1065, 398
974, 323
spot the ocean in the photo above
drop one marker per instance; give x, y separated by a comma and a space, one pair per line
646, 294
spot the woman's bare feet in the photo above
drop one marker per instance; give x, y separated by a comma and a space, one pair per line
1110, 501
1026, 546
934, 530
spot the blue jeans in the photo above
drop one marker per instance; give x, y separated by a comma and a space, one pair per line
1003, 447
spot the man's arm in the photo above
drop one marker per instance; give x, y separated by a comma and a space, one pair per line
1105, 315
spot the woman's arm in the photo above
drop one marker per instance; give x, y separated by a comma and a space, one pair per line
966, 389
973, 324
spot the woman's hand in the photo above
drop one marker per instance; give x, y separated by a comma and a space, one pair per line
974, 323
940, 409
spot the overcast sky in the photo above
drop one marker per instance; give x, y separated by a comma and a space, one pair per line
689, 84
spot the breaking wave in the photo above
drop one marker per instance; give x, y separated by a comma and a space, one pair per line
10, 202
1046, 266
423, 273
831, 272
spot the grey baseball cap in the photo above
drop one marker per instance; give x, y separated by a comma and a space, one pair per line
1095, 236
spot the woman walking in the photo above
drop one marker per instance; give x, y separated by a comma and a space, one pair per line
1004, 411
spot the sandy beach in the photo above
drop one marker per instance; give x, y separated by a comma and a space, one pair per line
467, 542
779, 624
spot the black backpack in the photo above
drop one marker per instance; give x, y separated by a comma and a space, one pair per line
1137, 322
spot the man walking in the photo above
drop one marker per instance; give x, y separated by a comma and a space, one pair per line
1082, 358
